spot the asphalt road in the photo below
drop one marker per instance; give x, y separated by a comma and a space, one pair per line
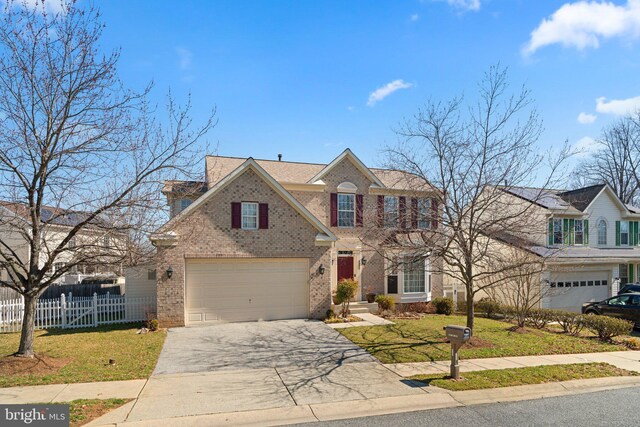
607, 408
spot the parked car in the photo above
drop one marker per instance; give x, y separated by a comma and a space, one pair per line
626, 306
628, 288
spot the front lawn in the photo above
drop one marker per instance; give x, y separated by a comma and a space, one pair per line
423, 340
81, 355
85, 410
521, 376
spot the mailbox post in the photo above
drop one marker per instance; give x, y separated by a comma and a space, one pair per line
457, 336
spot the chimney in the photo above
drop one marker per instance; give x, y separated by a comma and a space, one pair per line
279, 157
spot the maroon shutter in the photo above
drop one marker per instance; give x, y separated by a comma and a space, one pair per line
334, 209
434, 213
380, 211
236, 214
402, 215
263, 209
359, 209
414, 213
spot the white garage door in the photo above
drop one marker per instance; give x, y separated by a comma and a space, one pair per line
570, 290
236, 290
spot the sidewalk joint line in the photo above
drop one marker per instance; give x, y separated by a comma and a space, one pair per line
53, 399
285, 387
136, 399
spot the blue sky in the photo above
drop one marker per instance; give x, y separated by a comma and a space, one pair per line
300, 77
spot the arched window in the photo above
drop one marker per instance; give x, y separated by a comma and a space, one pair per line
602, 231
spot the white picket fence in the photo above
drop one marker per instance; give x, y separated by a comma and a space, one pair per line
78, 312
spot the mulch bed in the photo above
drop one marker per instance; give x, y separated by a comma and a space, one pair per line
37, 365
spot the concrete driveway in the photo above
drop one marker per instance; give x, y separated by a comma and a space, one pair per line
260, 365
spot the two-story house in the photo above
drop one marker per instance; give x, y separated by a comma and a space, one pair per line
590, 243
270, 239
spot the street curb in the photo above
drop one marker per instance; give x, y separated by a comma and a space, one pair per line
432, 398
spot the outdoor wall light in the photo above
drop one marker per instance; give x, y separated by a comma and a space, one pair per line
169, 272
321, 269
364, 261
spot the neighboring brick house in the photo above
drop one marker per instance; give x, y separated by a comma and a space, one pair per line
266, 239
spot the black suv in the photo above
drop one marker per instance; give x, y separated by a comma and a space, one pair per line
628, 288
624, 306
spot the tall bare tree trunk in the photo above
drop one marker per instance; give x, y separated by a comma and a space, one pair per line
28, 326
470, 314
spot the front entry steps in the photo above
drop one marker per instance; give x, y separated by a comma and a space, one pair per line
356, 307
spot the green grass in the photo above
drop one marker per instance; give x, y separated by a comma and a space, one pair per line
422, 340
88, 352
84, 410
521, 376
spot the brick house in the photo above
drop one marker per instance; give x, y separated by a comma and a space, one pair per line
267, 239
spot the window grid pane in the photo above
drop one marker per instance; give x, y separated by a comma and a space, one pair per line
424, 206
624, 233
346, 210
250, 216
414, 275
578, 232
390, 211
557, 231
602, 232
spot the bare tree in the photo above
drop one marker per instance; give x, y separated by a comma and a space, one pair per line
522, 288
615, 161
479, 158
82, 158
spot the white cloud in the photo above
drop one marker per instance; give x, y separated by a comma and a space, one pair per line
414, 17
185, 56
465, 4
386, 90
619, 107
585, 146
584, 23
586, 118
48, 6
351, 108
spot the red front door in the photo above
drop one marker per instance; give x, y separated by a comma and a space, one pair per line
345, 267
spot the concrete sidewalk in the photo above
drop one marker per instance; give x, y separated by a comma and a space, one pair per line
68, 392
430, 398
629, 360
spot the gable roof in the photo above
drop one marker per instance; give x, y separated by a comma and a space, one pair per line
50, 215
249, 164
217, 167
348, 154
581, 198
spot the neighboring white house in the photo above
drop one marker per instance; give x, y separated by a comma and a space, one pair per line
56, 223
591, 245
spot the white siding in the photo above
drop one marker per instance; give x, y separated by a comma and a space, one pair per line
605, 207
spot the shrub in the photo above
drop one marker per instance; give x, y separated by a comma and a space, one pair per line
632, 342
540, 317
152, 324
330, 314
461, 307
385, 302
571, 323
607, 327
443, 305
344, 293
508, 311
418, 307
488, 306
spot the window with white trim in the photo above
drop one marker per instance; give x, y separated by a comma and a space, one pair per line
578, 232
557, 231
624, 232
414, 275
346, 210
390, 211
249, 216
602, 232
424, 205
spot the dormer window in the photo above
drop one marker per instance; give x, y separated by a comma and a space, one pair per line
184, 204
